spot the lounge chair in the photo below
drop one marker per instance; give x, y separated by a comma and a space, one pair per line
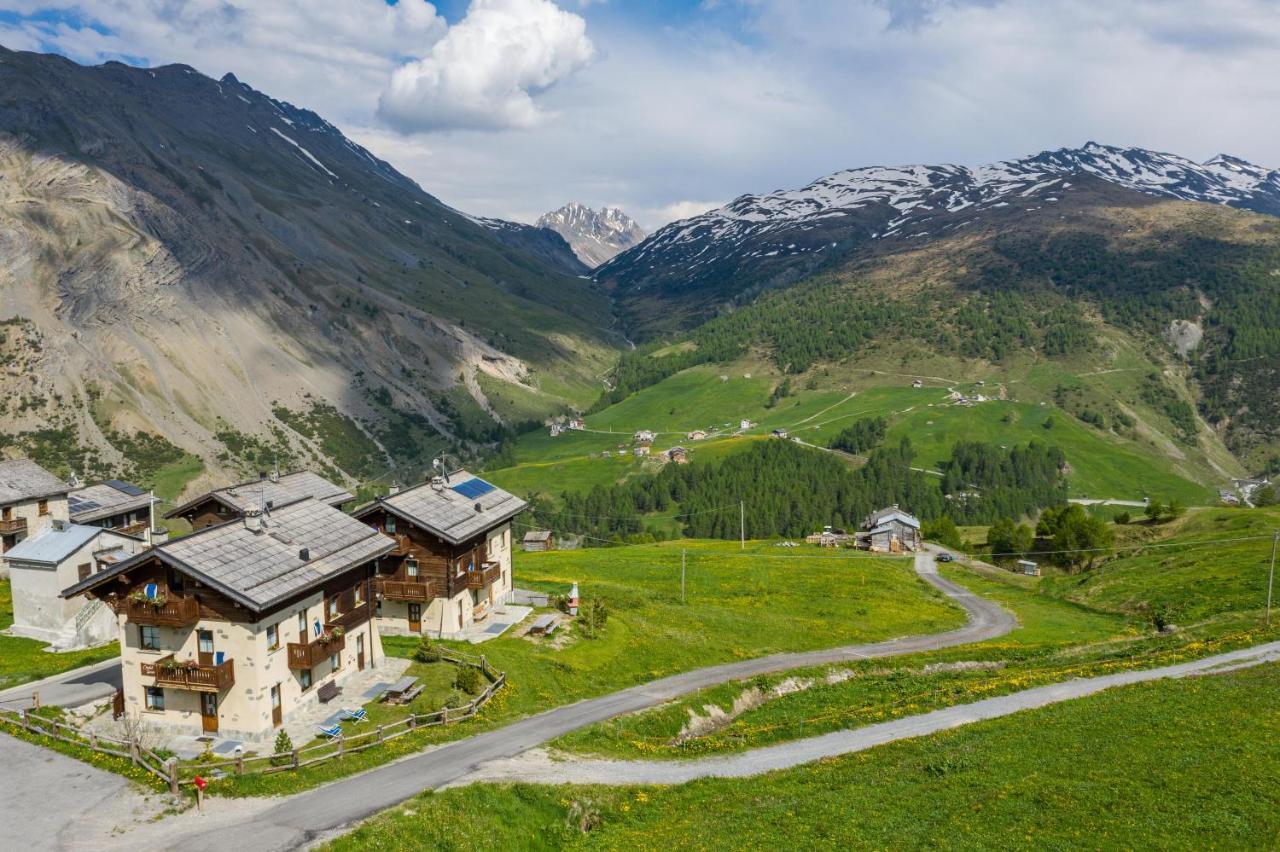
357, 715
332, 733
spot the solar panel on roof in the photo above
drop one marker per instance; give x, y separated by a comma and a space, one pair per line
127, 488
79, 504
473, 488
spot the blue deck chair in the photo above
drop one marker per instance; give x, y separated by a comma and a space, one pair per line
332, 733
358, 715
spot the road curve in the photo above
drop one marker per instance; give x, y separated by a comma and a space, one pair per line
306, 817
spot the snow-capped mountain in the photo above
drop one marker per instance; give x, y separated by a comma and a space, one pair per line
594, 235
788, 232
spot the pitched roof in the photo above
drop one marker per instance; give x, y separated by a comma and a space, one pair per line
876, 519
52, 545
288, 488
261, 568
113, 497
537, 535
457, 510
23, 479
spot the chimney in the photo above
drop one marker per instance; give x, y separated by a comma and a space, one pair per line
74, 481
304, 554
253, 519
393, 490
437, 483
59, 525
479, 508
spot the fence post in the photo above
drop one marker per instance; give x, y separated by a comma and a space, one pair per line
342, 745
413, 721
295, 758
35, 700
133, 751
239, 764
445, 716
379, 733
173, 775
93, 740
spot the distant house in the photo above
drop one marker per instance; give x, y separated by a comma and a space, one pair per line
644, 436
745, 424
917, 384
696, 435
58, 556
31, 498
112, 505
264, 494
577, 423
830, 537
679, 455
779, 433
1026, 566
556, 429
641, 451
1229, 497
891, 530
536, 541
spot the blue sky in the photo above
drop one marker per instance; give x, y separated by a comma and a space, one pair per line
665, 107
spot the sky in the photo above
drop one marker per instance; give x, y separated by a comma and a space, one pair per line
666, 108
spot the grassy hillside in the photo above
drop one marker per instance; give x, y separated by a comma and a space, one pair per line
1186, 764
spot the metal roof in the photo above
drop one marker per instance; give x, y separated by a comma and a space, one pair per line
875, 519
23, 479
288, 488
259, 568
50, 546
113, 497
445, 509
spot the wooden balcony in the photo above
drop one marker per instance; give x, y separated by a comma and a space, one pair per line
413, 591
174, 612
352, 618
11, 526
191, 675
484, 576
138, 529
305, 655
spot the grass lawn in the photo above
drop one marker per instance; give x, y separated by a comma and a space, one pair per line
1187, 764
24, 660
737, 606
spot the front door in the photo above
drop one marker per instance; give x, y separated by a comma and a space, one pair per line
204, 647
277, 712
415, 618
360, 652
209, 712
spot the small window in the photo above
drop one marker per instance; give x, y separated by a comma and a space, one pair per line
154, 698
331, 606
84, 570
411, 567
175, 581
359, 594
335, 662
273, 637
148, 637
43, 507
304, 677
302, 624
390, 525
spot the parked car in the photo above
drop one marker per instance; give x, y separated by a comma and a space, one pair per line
946, 557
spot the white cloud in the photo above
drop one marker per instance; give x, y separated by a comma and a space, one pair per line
485, 73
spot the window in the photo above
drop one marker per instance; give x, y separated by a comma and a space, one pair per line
148, 637
331, 607
390, 525
154, 698
273, 637
358, 594
43, 507
302, 624
411, 567
335, 662
175, 581
304, 677
84, 570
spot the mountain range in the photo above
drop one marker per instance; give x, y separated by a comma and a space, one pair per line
594, 235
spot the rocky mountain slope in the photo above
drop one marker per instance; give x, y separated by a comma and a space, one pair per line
595, 235
191, 261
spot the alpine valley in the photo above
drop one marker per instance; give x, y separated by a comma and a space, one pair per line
197, 277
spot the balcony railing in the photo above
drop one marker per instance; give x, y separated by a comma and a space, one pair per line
191, 675
133, 529
174, 612
13, 525
484, 576
414, 591
305, 655
352, 618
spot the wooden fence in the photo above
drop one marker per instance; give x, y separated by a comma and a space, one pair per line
175, 774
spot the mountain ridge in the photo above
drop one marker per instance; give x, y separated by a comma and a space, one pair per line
595, 235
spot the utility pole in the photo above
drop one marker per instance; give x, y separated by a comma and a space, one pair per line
682, 555
1271, 576
742, 520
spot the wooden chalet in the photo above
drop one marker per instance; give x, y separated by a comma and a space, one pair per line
216, 507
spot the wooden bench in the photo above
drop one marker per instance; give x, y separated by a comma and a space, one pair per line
544, 625
397, 692
411, 694
328, 691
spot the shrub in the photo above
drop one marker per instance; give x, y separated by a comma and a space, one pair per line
283, 753
467, 679
457, 698
428, 652
592, 615
1123, 518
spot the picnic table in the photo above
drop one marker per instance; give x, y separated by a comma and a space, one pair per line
545, 624
402, 690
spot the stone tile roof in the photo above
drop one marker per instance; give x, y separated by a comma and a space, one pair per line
449, 509
23, 479
53, 544
262, 567
95, 502
289, 488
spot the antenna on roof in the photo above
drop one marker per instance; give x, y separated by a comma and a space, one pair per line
441, 470
275, 475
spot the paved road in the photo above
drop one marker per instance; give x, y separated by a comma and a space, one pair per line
71, 689
536, 768
305, 817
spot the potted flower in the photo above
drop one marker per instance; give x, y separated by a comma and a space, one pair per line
140, 597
